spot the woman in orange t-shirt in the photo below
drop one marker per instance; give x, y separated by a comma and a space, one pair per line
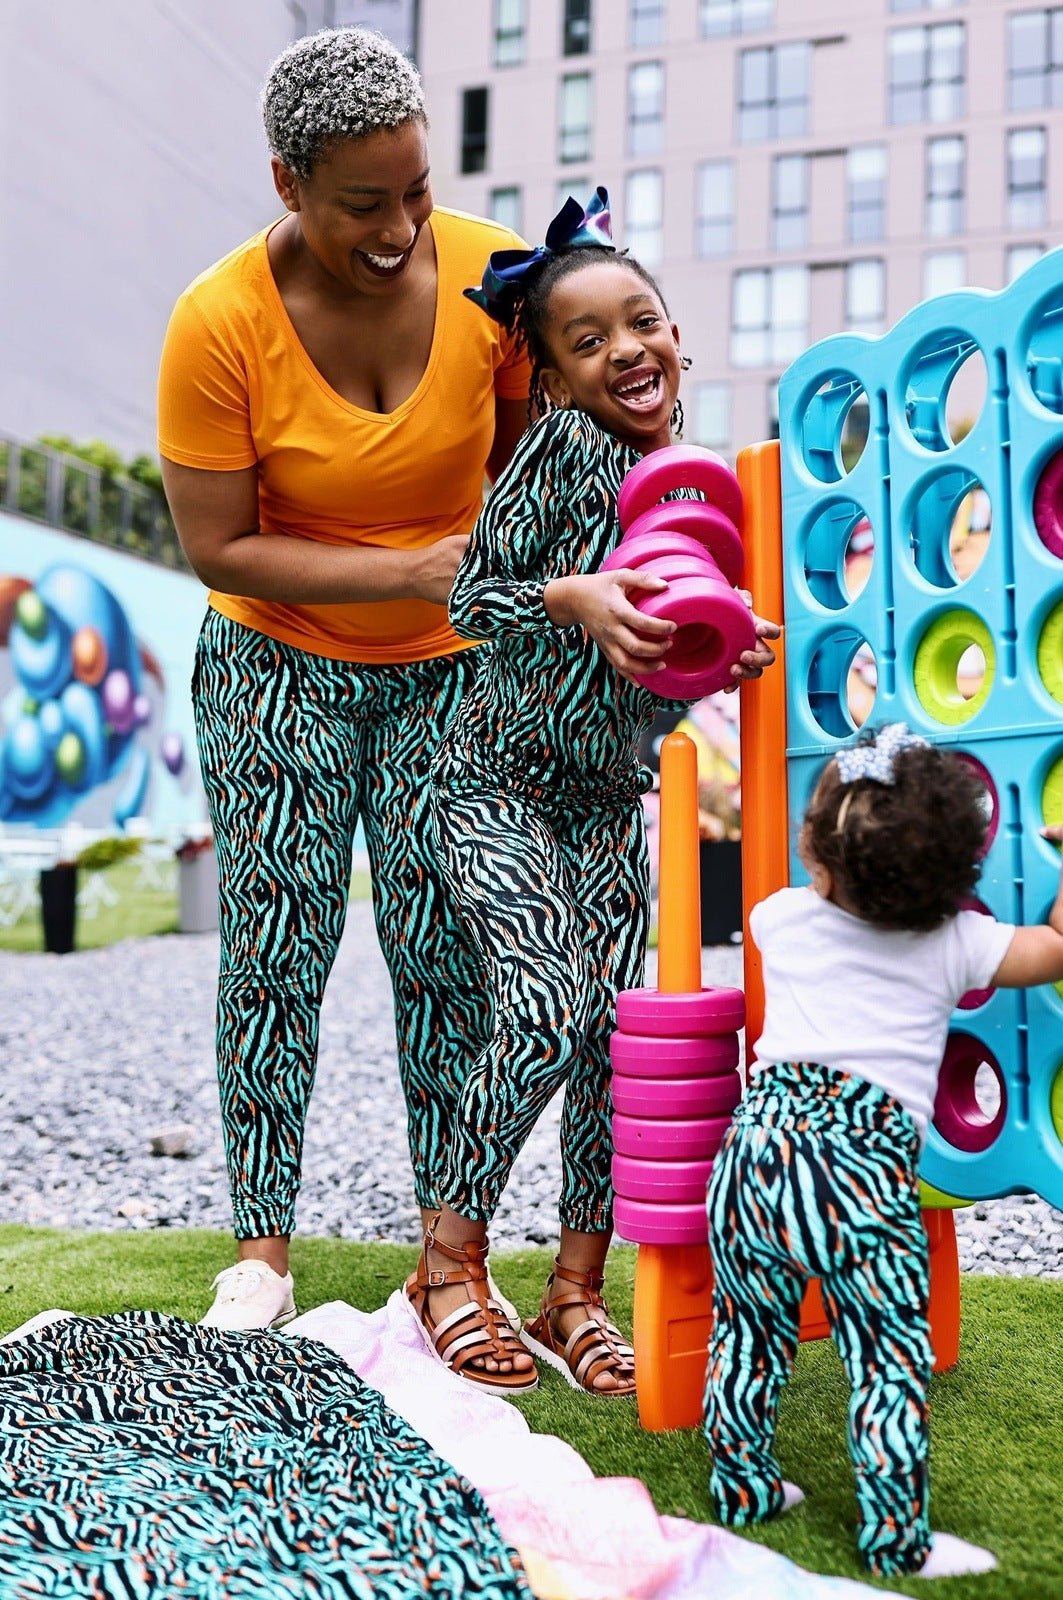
329, 405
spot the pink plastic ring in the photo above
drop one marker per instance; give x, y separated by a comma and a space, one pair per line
707, 524
958, 1117
638, 551
637, 1055
680, 1016
1047, 504
666, 1182
642, 1222
714, 627
676, 1097
683, 1139
679, 466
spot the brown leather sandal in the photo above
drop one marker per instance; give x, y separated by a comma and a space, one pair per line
475, 1330
593, 1347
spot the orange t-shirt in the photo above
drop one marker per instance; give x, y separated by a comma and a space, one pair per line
237, 389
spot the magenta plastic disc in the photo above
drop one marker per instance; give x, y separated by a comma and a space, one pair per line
684, 1139
676, 1097
642, 1222
679, 466
958, 1117
713, 627
636, 1055
638, 551
666, 1182
680, 1016
712, 529
1047, 504
981, 772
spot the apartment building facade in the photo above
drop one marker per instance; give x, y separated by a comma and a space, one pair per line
788, 168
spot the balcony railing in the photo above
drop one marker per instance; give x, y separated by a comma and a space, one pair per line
65, 492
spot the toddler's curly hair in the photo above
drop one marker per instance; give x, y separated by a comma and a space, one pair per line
902, 855
339, 83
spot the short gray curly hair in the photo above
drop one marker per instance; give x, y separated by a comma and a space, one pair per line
340, 83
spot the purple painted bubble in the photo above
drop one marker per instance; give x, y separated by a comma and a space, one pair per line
172, 751
141, 710
118, 701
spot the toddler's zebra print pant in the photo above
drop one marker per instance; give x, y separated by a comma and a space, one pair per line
295, 748
556, 901
817, 1178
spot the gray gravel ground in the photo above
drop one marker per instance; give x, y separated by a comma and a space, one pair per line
103, 1048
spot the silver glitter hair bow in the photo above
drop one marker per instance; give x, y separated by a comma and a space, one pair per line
875, 759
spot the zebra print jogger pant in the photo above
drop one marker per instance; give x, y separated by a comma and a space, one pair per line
294, 749
556, 901
817, 1178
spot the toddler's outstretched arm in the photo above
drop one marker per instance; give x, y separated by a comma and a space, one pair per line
1035, 955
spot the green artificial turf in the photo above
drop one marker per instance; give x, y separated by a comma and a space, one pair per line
140, 909
996, 1420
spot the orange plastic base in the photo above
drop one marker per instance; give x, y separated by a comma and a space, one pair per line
673, 1321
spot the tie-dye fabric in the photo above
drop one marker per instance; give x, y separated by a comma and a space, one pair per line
141, 1456
817, 1178
295, 748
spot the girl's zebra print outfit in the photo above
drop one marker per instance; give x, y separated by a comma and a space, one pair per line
539, 822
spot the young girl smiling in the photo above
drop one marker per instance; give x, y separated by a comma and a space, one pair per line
538, 811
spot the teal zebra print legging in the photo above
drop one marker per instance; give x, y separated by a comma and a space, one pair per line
556, 902
295, 748
817, 1178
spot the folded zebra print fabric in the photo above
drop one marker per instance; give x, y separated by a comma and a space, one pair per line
141, 1455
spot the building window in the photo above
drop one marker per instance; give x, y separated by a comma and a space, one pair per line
943, 272
507, 207
645, 108
646, 19
946, 184
772, 409
717, 17
924, 5
865, 180
927, 73
1027, 178
510, 23
865, 296
1018, 257
474, 130
575, 131
1035, 59
712, 416
576, 28
769, 316
574, 188
714, 208
643, 215
790, 202
772, 91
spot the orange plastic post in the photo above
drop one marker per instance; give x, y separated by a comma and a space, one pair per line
679, 876
944, 1288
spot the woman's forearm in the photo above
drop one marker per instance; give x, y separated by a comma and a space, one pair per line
279, 567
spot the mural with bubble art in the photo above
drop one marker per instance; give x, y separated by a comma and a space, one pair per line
922, 514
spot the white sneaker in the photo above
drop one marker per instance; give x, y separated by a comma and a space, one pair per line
952, 1557
251, 1295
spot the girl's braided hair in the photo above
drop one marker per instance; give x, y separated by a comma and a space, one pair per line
906, 854
339, 83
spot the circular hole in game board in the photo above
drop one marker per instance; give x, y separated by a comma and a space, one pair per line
950, 524
990, 798
839, 550
954, 666
972, 1100
1044, 353
990, 1097
1048, 504
945, 389
842, 683
834, 428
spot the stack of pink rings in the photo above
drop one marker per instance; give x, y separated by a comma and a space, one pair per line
675, 1085
696, 547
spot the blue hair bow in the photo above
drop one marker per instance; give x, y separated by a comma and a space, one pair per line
506, 274
875, 759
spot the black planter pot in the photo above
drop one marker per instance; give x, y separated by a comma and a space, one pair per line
59, 895
721, 890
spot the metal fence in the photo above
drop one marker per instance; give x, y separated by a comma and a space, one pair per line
65, 492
